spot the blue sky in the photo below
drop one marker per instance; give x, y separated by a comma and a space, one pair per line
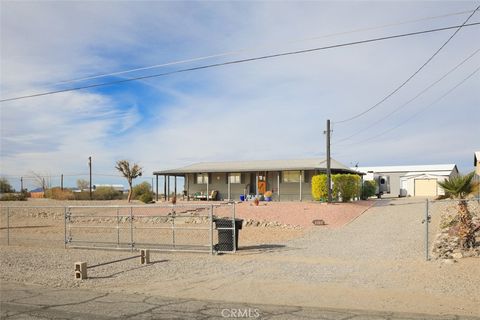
270, 109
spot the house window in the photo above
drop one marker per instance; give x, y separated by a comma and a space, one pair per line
292, 176
234, 177
202, 178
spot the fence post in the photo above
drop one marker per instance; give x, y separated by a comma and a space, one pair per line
211, 229
8, 226
234, 230
131, 228
173, 226
118, 228
65, 227
427, 221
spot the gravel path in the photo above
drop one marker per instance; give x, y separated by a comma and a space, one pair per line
375, 262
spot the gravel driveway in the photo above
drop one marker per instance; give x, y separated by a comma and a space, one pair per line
376, 262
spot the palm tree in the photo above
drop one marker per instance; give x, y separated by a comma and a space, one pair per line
129, 173
459, 188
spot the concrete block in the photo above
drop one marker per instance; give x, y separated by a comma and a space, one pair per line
144, 256
80, 270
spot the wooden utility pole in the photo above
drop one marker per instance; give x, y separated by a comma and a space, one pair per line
90, 167
329, 170
21, 184
61, 182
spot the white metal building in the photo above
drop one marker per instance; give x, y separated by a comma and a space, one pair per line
410, 181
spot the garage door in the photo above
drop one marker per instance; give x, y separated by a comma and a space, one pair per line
426, 187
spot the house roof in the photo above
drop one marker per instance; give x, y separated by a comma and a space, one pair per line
417, 168
476, 158
258, 165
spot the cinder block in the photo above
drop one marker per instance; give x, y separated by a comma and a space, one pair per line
144, 256
80, 270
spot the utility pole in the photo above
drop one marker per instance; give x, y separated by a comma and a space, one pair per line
329, 170
61, 181
90, 167
21, 184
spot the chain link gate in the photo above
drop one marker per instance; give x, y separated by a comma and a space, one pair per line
179, 227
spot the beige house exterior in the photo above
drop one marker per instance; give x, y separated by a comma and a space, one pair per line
289, 180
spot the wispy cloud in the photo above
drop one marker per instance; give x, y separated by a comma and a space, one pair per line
270, 109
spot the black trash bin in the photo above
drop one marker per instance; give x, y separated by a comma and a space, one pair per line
225, 236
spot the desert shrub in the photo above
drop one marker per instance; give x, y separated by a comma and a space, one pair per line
107, 193
147, 198
84, 195
59, 194
140, 189
5, 186
346, 186
14, 197
369, 188
319, 187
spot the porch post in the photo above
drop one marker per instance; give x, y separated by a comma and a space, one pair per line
165, 187
175, 185
208, 184
229, 190
278, 185
256, 184
156, 189
168, 188
187, 182
300, 185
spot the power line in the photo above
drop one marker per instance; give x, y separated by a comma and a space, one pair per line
417, 113
411, 77
229, 53
240, 61
412, 99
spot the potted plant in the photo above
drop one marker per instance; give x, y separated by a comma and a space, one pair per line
268, 196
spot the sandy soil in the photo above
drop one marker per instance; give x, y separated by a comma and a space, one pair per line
375, 262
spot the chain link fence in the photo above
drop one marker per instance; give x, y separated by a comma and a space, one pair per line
181, 227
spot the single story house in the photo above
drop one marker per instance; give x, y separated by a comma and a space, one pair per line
288, 179
406, 181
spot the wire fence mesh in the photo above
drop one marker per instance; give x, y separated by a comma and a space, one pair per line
184, 227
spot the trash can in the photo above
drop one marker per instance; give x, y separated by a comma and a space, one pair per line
225, 236
242, 197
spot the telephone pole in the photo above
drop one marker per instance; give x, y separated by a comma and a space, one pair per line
21, 184
90, 167
329, 170
61, 182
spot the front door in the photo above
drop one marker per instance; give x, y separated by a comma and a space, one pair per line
262, 183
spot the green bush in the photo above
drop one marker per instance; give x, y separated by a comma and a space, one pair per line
146, 197
369, 188
346, 186
14, 197
319, 187
5, 186
107, 193
141, 189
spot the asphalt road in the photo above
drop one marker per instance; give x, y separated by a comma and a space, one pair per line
35, 302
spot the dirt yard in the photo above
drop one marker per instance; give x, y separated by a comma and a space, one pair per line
374, 262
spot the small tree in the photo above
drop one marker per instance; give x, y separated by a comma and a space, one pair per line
5, 186
459, 188
130, 173
83, 184
41, 181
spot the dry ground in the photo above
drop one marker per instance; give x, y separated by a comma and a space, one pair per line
375, 262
